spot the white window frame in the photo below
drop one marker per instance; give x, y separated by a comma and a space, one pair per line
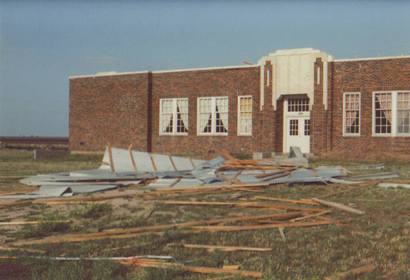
213, 123
239, 115
394, 111
345, 134
174, 118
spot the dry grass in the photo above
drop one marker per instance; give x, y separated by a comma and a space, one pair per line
380, 237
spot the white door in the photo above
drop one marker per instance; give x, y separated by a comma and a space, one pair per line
296, 125
298, 133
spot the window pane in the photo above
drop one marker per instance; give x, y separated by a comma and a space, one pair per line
205, 115
182, 115
166, 116
307, 127
245, 115
293, 127
352, 113
383, 112
403, 112
221, 115
298, 105
174, 115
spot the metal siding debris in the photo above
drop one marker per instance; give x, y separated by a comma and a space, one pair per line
374, 176
143, 162
393, 185
162, 163
182, 163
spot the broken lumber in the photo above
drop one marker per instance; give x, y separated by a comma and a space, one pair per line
224, 248
194, 269
354, 272
17, 223
239, 205
311, 216
338, 206
301, 201
132, 232
257, 227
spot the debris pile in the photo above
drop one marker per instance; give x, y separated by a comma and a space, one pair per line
122, 167
167, 181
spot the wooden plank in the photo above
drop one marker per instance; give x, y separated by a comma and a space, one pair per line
311, 216
239, 205
304, 201
257, 227
172, 163
352, 273
111, 159
153, 163
338, 206
224, 248
194, 269
134, 165
132, 232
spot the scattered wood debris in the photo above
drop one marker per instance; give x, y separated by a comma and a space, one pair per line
338, 206
212, 248
352, 273
194, 269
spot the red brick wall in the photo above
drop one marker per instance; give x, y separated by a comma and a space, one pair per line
366, 77
214, 82
318, 115
116, 109
108, 109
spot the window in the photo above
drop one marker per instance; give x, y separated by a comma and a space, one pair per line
383, 113
403, 112
173, 116
293, 127
351, 113
391, 113
307, 127
213, 115
244, 115
298, 105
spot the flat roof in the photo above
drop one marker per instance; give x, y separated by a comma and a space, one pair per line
113, 73
371, 58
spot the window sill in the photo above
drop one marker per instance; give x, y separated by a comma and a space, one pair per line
212, 134
176, 134
383, 135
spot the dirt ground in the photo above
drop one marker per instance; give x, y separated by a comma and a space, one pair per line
380, 237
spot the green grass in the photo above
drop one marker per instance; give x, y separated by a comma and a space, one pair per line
381, 236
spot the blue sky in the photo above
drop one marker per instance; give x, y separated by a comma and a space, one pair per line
44, 42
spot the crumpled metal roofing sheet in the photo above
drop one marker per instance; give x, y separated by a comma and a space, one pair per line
182, 163
162, 163
143, 162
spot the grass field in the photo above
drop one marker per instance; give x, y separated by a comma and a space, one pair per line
380, 237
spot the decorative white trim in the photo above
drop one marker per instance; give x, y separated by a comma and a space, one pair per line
325, 83
174, 112
213, 123
238, 123
262, 86
344, 115
371, 58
